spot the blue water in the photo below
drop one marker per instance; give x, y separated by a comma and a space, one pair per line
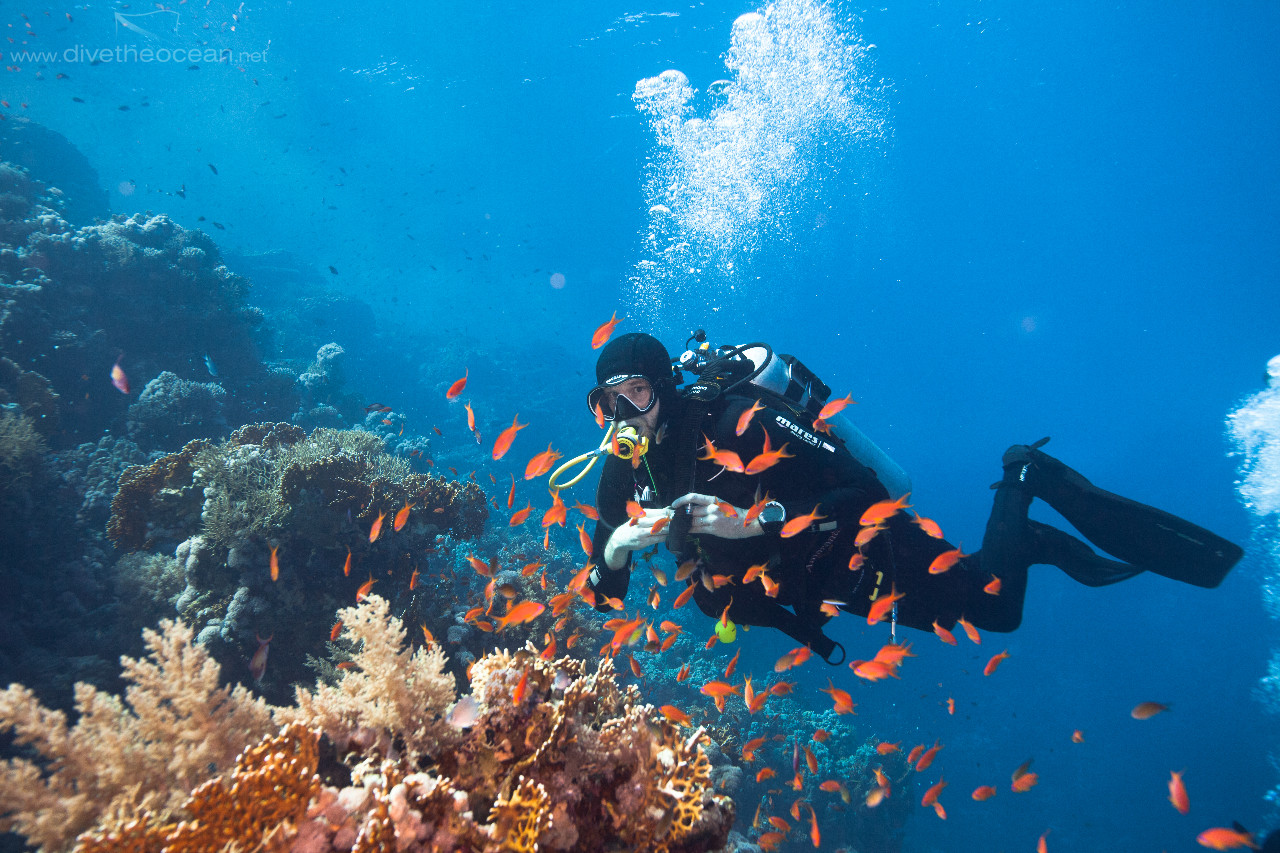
1063, 224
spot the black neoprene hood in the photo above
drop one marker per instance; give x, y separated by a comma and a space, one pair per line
634, 353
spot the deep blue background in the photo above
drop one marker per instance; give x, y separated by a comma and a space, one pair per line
1070, 230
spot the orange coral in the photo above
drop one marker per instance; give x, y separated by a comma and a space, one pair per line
521, 819
268, 791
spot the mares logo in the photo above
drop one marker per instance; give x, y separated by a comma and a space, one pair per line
803, 434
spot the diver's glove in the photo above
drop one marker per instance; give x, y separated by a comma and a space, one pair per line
606, 583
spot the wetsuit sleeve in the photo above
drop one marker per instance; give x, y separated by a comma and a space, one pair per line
822, 473
616, 487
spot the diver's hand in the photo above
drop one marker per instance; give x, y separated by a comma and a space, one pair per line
714, 517
635, 534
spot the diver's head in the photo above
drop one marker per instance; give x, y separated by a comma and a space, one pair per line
634, 381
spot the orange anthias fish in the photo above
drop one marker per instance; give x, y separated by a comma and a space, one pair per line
766, 773
584, 539
683, 598
844, 703
943, 634
1178, 793
1147, 710
927, 758
588, 511
363, 592
541, 463
726, 458
456, 388
557, 514
511, 495
335, 630
604, 330
995, 662
376, 529
275, 563
520, 516
508, 435
983, 792
800, 523
992, 588
471, 416
258, 663
720, 689
119, 379
944, 561
768, 457
971, 631
675, 715
882, 511
884, 747
346, 567
881, 606
1221, 838
865, 535
832, 408
929, 526
872, 670
749, 749
744, 419
402, 517
525, 611
931, 795
1025, 782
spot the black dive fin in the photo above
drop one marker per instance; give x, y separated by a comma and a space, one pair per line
1077, 560
1146, 537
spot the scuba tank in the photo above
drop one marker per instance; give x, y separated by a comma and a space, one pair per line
755, 368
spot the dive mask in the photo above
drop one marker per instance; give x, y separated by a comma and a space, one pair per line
622, 397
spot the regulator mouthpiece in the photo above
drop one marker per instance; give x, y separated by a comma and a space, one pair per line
627, 443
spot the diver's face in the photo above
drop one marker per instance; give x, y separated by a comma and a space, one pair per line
646, 423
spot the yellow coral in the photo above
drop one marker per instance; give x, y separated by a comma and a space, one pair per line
269, 790
520, 820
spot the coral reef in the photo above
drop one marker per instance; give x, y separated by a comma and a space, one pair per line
554, 759
220, 509
51, 155
140, 290
172, 411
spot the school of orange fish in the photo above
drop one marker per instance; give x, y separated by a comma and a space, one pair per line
626, 631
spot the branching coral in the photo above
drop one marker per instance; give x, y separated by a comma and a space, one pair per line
391, 701
146, 752
573, 763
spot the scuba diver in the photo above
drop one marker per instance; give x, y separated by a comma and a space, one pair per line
790, 520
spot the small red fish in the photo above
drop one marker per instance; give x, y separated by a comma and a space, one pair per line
1221, 838
520, 516
363, 592
1178, 793
943, 634
541, 463
508, 435
258, 663
835, 406
800, 523
944, 561
744, 419
456, 388
969, 630
522, 687
675, 715
983, 792
402, 517
605, 329
767, 458
882, 605
275, 564
588, 511
471, 416
1147, 710
335, 630
882, 511
727, 458
995, 662
929, 526
992, 588
119, 379
525, 611
346, 567
376, 529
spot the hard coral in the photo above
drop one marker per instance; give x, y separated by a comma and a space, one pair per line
137, 499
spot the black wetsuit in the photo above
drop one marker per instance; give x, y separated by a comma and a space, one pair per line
809, 567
